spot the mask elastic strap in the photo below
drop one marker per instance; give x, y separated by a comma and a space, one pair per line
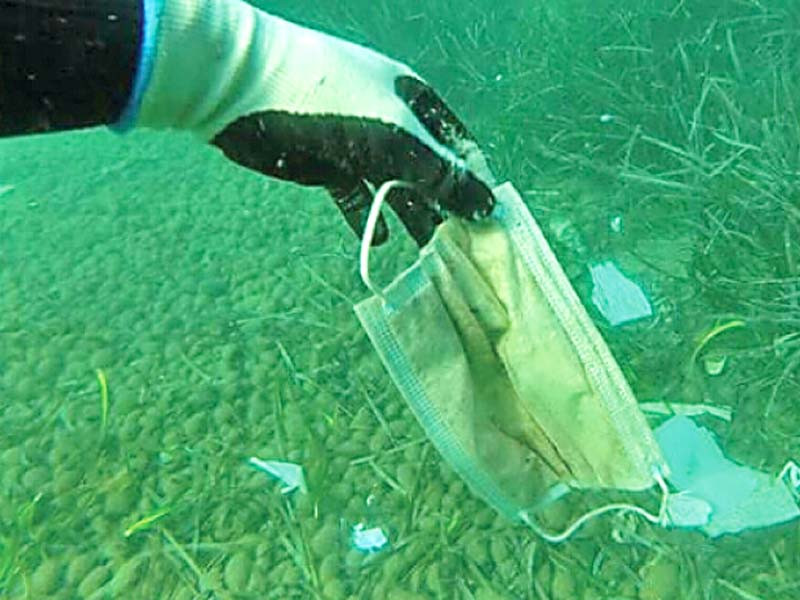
369, 231
659, 519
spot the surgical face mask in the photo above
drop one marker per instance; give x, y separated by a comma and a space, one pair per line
493, 351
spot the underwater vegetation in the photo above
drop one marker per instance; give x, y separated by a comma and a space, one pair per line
164, 316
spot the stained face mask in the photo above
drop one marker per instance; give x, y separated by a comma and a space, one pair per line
493, 351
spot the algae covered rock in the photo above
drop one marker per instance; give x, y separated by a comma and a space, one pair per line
660, 581
121, 501
237, 572
94, 580
127, 576
46, 578
563, 585
325, 541
78, 567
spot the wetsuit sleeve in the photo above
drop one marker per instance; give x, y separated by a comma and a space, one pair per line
66, 64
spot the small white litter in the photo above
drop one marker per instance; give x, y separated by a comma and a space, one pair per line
4, 189
688, 410
289, 474
369, 540
790, 474
718, 495
714, 365
687, 510
617, 298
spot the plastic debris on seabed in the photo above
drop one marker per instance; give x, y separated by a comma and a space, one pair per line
687, 510
791, 475
289, 474
4, 189
714, 365
716, 494
617, 298
369, 540
688, 410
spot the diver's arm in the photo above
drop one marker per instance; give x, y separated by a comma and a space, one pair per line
284, 100
66, 64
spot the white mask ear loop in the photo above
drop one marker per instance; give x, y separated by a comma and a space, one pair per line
369, 231
659, 519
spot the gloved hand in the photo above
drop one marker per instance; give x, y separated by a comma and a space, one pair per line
294, 103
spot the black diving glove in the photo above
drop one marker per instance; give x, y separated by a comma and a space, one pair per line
294, 103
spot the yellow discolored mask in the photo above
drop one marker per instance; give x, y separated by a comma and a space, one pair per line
498, 359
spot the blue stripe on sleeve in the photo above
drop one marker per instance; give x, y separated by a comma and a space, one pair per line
153, 9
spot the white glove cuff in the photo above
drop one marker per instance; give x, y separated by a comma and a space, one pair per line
219, 60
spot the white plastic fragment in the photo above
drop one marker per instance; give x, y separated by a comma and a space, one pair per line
689, 410
714, 365
740, 498
790, 474
369, 540
4, 189
289, 474
617, 298
686, 510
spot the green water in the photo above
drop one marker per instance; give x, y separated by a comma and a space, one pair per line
217, 305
